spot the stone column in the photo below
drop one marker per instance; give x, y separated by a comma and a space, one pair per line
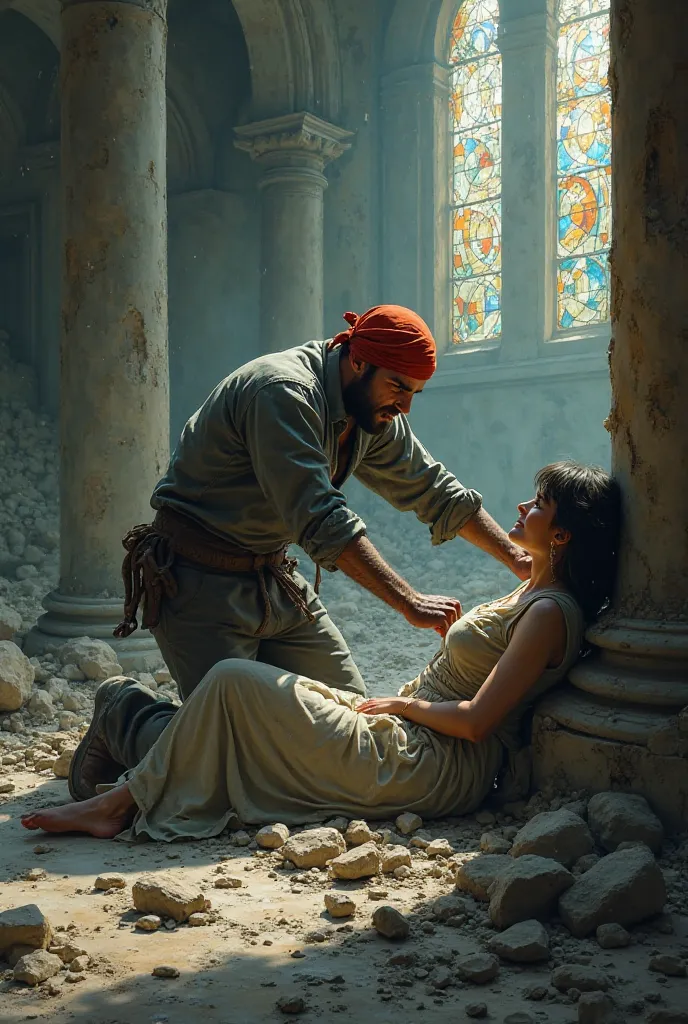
292, 152
624, 722
114, 426
416, 223
528, 44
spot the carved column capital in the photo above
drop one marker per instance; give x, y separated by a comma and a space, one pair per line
294, 141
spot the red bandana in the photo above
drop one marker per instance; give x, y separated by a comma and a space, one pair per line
392, 337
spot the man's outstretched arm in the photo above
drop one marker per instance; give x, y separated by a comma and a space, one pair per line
362, 562
485, 533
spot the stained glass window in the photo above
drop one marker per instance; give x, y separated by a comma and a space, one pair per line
583, 163
476, 109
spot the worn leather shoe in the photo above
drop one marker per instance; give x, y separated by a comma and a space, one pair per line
92, 763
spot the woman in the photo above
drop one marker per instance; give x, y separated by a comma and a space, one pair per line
279, 747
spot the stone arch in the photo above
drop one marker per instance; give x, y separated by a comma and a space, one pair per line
190, 151
45, 14
418, 33
294, 56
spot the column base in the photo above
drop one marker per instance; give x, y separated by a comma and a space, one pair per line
581, 741
67, 618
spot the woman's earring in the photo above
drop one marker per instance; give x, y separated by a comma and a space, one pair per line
551, 562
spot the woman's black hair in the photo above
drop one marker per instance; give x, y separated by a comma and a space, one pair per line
588, 504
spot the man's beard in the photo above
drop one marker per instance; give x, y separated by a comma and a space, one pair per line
357, 404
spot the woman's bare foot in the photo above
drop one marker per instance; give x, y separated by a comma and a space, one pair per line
103, 816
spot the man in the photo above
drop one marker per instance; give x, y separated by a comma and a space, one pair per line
259, 466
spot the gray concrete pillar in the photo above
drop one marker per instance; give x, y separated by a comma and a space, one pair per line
114, 423
624, 721
292, 152
528, 44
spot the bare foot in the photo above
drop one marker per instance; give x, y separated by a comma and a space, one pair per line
103, 816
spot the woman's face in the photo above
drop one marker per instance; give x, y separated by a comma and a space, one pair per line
533, 529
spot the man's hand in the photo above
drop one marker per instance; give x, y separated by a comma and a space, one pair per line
522, 565
432, 611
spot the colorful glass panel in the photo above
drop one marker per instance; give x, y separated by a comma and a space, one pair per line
583, 163
476, 110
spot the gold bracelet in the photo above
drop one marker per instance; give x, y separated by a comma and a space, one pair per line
409, 700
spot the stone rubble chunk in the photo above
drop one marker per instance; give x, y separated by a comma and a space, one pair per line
313, 848
528, 889
402, 873
584, 864
439, 848
80, 963
672, 965
341, 824
624, 817
476, 875
110, 880
582, 977
37, 967
16, 677
165, 971
667, 1015
339, 904
390, 922
291, 1004
612, 936
377, 893
396, 857
228, 882
68, 951
24, 926
198, 920
524, 943
476, 1010
148, 923
17, 952
10, 621
166, 896
241, 838
272, 837
624, 888
63, 762
420, 841
490, 842
408, 823
477, 968
358, 833
448, 906
561, 835
359, 862
597, 1008
96, 659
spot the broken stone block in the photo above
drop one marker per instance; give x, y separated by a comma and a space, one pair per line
272, 837
111, 880
524, 943
439, 848
24, 926
358, 833
561, 835
339, 904
63, 763
624, 817
228, 882
16, 677
612, 936
529, 888
394, 858
624, 888
408, 823
475, 876
167, 897
96, 659
449, 906
478, 968
359, 862
672, 965
80, 964
582, 977
313, 848
388, 921
597, 1008
67, 952
37, 967
490, 842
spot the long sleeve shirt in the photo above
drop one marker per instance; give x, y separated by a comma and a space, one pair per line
255, 464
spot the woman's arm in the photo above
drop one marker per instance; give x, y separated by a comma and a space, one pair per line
538, 642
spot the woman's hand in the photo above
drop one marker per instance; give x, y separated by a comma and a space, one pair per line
383, 706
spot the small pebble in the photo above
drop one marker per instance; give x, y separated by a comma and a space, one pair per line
148, 923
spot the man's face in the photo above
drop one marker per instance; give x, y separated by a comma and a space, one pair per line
375, 396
